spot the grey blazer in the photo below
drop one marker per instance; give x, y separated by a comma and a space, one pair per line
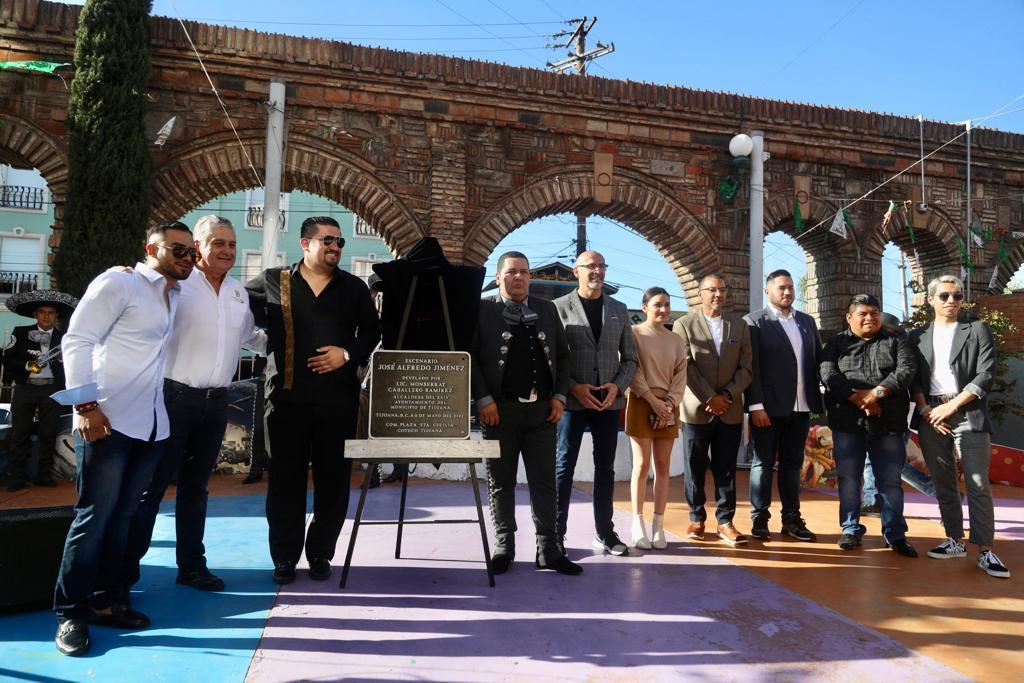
488, 363
613, 357
973, 360
774, 368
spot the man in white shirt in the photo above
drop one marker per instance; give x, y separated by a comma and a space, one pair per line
114, 353
956, 367
782, 395
212, 324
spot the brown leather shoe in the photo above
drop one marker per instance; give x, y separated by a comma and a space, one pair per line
695, 532
731, 535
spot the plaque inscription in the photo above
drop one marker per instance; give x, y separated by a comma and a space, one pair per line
419, 394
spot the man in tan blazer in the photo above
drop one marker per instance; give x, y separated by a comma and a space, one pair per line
718, 372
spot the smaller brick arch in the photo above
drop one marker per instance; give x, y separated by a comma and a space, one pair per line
22, 143
214, 165
644, 203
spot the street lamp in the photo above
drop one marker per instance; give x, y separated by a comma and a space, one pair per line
749, 150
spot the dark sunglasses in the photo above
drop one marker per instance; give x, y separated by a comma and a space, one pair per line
944, 296
180, 251
328, 240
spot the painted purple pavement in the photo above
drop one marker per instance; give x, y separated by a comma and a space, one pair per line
670, 615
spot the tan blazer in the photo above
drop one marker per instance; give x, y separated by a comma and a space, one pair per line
710, 372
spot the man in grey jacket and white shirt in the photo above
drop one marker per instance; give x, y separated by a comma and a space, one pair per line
602, 360
956, 367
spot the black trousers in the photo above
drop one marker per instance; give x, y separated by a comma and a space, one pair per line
721, 441
523, 428
303, 436
27, 399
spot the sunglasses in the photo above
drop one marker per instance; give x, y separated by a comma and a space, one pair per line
181, 251
944, 296
328, 240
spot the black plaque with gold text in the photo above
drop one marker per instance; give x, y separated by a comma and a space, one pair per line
419, 394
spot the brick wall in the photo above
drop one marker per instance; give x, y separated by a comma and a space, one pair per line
1011, 305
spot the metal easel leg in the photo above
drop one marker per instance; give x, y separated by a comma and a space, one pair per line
480, 518
355, 527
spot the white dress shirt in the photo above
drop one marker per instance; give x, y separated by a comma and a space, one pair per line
715, 324
116, 341
209, 330
792, 329
943, 381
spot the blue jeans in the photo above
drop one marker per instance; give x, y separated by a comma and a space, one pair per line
910, 474
197, 431
604, 432
888, 456
784, 440
112, 474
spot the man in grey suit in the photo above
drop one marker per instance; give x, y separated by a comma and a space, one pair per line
718, 372
602, 361
519, 381
956, 366
782, 395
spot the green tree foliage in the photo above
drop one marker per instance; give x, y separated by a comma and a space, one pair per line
1002, 399
110, 166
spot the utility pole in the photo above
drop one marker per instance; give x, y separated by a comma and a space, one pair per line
577, 41
968, 240
756, 234
272, 181
903, 286
581, 234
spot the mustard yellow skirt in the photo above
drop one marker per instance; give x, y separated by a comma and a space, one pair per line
638, 420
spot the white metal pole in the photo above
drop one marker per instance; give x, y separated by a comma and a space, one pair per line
757, 221
967, 229
272, 182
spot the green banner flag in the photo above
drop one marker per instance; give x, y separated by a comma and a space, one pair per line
798, 217
43, 67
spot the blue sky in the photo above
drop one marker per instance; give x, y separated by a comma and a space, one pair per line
945, 60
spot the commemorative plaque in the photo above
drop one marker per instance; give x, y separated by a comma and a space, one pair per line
419, 395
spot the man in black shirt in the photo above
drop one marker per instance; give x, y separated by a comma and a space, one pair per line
321, 325
867, 372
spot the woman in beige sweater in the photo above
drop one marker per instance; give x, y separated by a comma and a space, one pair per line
652, 411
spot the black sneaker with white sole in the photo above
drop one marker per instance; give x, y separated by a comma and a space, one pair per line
951, 548
72, 637
611, 544
796, 528
992, 565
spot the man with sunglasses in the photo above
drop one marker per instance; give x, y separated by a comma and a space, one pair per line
214, 316
321, 326
956, 366
114, 353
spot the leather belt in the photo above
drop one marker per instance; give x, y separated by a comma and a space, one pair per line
185, 390
40, 381
941, 398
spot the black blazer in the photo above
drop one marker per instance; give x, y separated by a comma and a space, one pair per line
488, 374
775, 367
973, 360
21, 350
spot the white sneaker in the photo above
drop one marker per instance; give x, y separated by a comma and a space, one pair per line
992, 565
640, 539
951, 548
658, 533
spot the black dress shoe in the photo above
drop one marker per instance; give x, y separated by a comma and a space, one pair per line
284, 572
254, 476
319, 569
200, 579
903, 547
119, 615
72, 637
563, 565
501, 563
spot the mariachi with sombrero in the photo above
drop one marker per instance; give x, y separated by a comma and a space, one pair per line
32, 359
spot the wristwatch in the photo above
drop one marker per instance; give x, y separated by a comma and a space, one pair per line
879, 392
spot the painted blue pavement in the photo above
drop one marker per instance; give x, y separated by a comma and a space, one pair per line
195, 636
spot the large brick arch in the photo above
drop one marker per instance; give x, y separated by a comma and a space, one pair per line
643, 203
24, 144
934, 244
214, 165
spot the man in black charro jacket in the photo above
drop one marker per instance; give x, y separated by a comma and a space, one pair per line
32, 390
520, 378
321, 326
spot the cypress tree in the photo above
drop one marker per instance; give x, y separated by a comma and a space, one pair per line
109, 163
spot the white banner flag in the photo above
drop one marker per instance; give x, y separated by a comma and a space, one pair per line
977, 239
1017, 234
963, 273
917, 258
838, 225
995, 276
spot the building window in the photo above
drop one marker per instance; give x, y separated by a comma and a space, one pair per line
362, 268
254, 209
361, 228
251, 266
22, 264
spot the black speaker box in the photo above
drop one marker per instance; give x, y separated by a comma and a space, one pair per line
31, 547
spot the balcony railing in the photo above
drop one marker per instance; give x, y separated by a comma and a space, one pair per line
21, 197
254, 217
14, 282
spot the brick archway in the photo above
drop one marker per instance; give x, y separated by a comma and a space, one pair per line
214, 165
24, 144
639, 201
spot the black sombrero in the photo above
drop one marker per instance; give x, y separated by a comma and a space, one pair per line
26, 303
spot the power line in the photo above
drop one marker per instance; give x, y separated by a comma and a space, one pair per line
482, 28
274, 22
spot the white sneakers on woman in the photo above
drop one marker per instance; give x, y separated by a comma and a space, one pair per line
657, 538
640, 539
658, 532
